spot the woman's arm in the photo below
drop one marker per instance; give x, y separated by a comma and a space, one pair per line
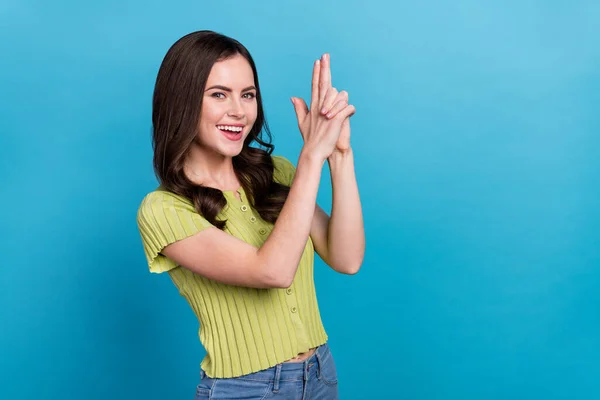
340, 240
224, 258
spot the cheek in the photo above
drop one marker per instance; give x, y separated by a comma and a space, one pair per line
208, 119
211, 114
252, 112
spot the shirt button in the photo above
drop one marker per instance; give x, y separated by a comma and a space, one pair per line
294, 309
262, 231
244, 208
253, 219
288, 291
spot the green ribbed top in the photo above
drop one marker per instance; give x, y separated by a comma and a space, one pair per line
243, 330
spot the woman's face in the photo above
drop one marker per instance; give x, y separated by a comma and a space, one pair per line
229, 107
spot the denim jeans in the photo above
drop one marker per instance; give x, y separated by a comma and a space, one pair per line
313, 379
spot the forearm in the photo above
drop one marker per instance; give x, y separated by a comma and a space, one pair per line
346, 234
281, 252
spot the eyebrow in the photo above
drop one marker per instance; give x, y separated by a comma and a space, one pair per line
226, 89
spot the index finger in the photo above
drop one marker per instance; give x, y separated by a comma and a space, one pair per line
314, 100
325, 76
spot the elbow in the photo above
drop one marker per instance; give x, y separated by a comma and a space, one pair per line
284, 284
348, 267
272, 275
348, 263
277, 280
352, 269
283, 281
279, 283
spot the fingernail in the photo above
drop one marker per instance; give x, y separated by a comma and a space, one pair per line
323, 110
292, 99
329, 115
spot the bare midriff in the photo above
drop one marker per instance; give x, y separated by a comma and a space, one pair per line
302, 356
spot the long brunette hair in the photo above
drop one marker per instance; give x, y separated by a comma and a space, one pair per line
176, 106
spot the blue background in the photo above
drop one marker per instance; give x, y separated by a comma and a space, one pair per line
477, 142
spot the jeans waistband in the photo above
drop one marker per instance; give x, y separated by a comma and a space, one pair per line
289, 371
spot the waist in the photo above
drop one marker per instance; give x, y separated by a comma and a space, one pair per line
286, 371
302, 356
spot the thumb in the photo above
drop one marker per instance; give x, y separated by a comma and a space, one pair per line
301, 109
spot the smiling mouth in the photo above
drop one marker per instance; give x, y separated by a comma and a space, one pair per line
231, 132
231, 128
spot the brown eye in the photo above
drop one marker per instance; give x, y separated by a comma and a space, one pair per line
249, 95
218, 95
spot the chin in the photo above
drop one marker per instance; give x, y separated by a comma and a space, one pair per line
232, 151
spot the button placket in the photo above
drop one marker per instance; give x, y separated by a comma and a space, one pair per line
293, 307
244, 207
294, 313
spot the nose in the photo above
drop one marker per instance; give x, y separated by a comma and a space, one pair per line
235, 110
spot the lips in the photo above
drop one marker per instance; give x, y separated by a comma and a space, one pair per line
230, 134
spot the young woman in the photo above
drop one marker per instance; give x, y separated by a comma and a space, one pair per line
236, 227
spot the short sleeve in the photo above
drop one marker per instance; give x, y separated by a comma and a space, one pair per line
164, 218
283, 171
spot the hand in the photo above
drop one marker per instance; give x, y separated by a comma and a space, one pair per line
321, 134
334, 103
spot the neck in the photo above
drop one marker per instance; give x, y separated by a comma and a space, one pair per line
211, 169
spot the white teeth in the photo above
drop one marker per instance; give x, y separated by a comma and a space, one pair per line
230, 128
